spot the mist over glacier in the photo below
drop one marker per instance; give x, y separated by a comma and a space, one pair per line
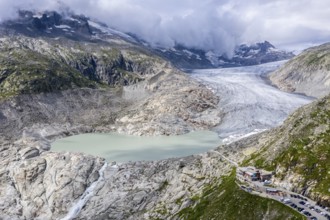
217, 25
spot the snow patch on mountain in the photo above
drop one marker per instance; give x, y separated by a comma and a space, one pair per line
109, 31
62, 27
53, 24
244, 55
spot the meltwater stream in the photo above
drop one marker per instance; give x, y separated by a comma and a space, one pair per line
76, 208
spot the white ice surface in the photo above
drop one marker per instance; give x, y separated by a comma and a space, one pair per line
249, 103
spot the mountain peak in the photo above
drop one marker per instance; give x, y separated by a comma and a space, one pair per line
81, 28
244, 55
48, 24
63, 24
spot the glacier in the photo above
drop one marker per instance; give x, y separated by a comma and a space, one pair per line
250, 104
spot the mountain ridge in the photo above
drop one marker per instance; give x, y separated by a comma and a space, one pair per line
307, 73
78, 27
244, 55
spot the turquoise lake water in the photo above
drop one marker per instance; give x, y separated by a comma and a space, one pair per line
123, 148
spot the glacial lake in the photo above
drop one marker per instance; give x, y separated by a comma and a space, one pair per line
124, 148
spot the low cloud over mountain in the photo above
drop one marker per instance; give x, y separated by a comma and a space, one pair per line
217, 25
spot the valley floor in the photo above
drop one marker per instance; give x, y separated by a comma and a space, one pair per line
46, 184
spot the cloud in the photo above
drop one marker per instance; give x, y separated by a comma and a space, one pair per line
217, 25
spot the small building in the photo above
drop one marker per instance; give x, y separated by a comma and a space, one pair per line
249, 173
273, 191
253, 174
266, 176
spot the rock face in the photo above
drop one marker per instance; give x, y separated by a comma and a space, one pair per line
37, 184
50, 23
172, 104
308, 73
151, 190
30, 65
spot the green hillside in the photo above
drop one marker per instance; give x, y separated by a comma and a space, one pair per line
29, 65
228, 202
302, 150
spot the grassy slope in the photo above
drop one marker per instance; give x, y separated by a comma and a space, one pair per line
27, 71
30, 65
311, 59
304, 151
228, 202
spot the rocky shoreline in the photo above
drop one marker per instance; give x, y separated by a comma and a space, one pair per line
40, 184
36, 183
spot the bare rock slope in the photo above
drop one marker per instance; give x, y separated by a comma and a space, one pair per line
307, 73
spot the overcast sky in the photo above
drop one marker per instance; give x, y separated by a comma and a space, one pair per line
216, 25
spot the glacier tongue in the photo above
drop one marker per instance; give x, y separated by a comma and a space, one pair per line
249, 103
76, 208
